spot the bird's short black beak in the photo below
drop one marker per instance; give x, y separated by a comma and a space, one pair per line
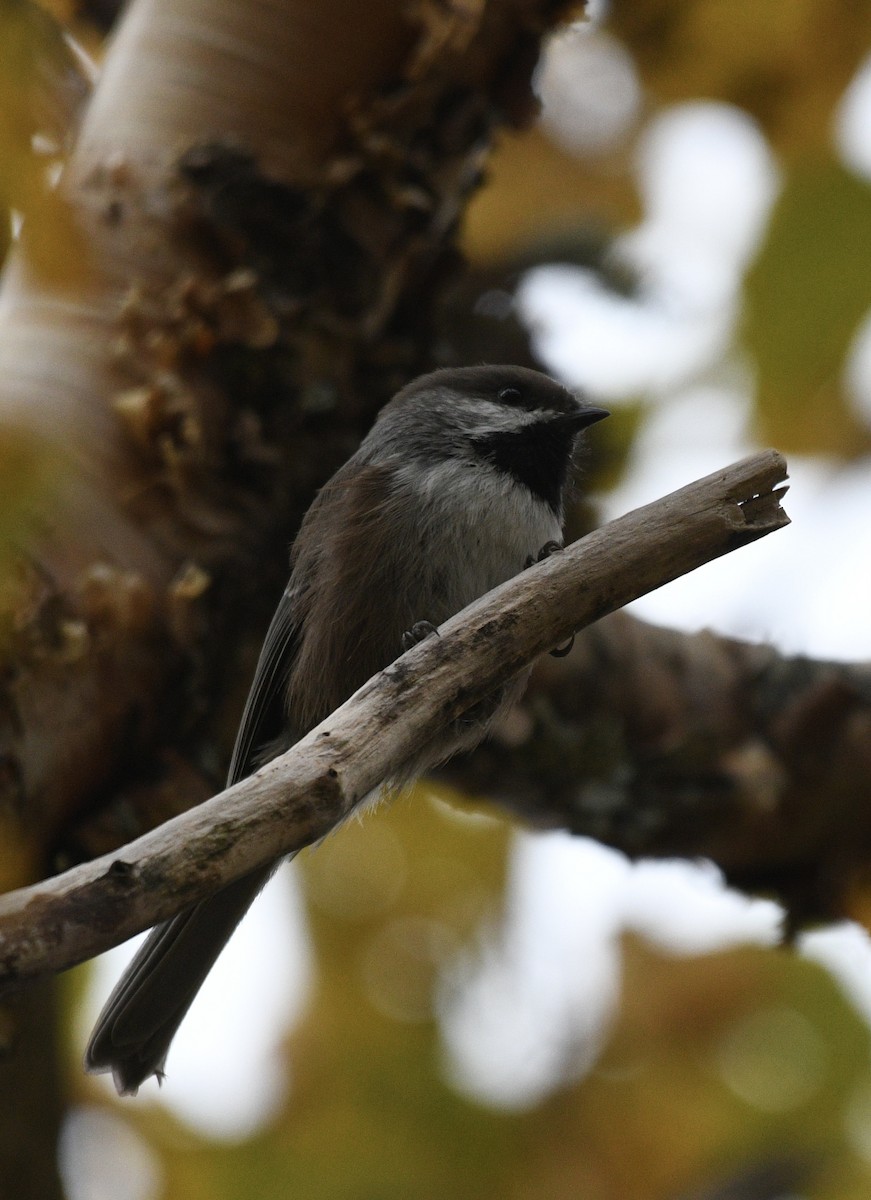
582, 418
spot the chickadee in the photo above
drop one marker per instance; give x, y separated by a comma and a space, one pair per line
457, 486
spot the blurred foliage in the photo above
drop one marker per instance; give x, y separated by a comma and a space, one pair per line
806, 295
787, 63
535, 188
712, 1066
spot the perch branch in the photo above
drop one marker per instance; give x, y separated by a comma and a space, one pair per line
299, 796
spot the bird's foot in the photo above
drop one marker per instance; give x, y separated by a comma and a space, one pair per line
546, 551
419, 632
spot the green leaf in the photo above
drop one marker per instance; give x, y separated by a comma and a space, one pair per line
806, 295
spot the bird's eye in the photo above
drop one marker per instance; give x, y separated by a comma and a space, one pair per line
510, 396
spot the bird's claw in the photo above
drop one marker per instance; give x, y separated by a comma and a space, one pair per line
562, 651
419, 632
546, 551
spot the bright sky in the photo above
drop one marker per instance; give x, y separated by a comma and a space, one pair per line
545, 985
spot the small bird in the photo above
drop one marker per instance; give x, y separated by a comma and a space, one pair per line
457, 487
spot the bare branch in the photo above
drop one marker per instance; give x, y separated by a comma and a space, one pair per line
302, 794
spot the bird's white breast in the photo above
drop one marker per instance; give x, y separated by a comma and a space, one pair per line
478, 522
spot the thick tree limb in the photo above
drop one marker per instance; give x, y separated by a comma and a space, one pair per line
667, 744
302, 794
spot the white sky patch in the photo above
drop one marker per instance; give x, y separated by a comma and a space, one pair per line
226, 1074
535, 1003
684, 907
101, 1157
708, 180
853, 122
846, 950
613, 346
532, 1010
857, 370
764, 591
589, 90
852, 134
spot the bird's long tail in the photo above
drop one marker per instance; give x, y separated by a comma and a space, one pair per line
139, 1020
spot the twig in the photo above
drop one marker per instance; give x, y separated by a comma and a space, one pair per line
301, 795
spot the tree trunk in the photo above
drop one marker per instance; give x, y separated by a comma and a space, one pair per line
240, 266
